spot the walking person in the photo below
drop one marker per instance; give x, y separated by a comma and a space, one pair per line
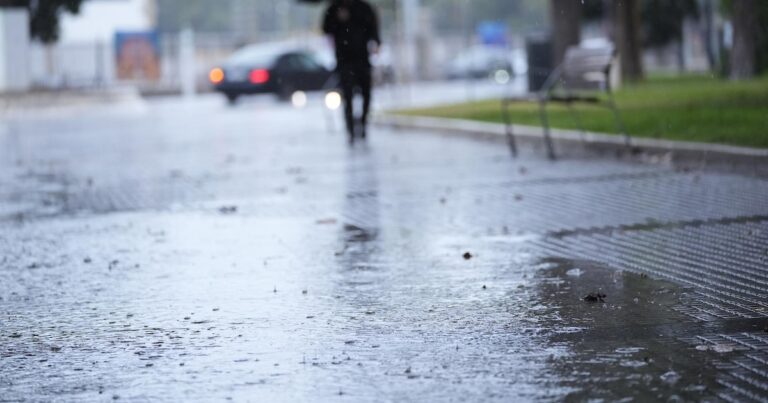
354, 27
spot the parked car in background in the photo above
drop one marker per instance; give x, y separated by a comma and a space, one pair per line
481, 62
281, 70
383, 67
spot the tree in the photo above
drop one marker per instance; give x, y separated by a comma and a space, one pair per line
745, 32
566, 26
44, 15
663, 20
627, 36
200, 15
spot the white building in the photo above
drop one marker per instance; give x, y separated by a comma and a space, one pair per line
14, 46
85, 54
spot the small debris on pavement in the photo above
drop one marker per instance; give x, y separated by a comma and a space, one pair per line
670, 377
595, 297
518, 197
294, 170
467, 256
575, 272
484, 287
228, 209
326, 221
87, 260
523, 170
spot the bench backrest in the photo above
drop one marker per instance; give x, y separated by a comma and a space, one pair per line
587, 69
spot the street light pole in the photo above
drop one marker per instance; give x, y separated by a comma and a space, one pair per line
409, 15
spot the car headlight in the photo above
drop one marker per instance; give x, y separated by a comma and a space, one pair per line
333, 100
299, 99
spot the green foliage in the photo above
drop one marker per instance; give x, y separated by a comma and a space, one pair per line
44, 19
593, 9
726, 7
690, 108
762, 36
521, 16
663, 20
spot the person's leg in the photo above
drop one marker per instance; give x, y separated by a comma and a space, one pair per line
365, 81
347, 78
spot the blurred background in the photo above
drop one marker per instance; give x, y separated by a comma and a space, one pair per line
170, 46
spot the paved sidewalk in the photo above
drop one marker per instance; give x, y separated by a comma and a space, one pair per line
187, 251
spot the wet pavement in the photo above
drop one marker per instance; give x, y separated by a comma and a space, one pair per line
186, 251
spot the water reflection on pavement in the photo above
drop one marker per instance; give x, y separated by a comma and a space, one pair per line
193, 252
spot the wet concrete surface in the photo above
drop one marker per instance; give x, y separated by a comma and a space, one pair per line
186, 251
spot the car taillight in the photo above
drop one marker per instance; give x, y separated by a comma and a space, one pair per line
260, 76
216, 75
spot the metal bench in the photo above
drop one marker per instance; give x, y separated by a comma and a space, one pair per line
582, 78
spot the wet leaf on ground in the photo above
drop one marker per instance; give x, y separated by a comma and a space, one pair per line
595, 297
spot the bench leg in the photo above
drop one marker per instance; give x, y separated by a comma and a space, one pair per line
547, 135
509, 128
619, 121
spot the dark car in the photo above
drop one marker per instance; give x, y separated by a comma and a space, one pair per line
259, 69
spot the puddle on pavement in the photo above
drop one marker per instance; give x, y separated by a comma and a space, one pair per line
566, 286
625, 347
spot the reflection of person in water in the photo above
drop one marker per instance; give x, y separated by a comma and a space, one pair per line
354, 26
360, 232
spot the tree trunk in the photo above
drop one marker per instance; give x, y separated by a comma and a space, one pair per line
627, 28
566, 26
743, 54
709, 35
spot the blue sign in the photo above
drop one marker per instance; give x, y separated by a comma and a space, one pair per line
138, 55
493, 33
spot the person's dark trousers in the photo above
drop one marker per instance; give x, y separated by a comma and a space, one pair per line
355, 76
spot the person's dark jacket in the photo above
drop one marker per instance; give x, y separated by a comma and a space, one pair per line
353, 35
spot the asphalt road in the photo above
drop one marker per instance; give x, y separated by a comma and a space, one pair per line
179, 250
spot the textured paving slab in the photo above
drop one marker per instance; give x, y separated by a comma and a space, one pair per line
187, 251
